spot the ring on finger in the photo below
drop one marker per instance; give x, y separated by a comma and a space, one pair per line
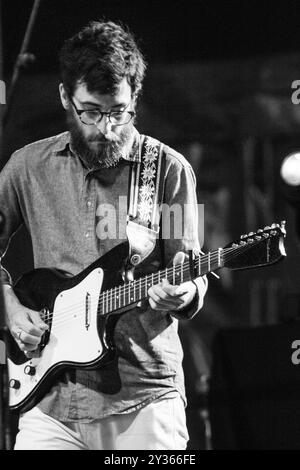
19, 335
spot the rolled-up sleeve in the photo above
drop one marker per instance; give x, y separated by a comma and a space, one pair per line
9, 208
181, 228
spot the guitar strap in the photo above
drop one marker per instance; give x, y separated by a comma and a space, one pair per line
145, 194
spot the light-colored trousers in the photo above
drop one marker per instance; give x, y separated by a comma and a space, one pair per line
161, 425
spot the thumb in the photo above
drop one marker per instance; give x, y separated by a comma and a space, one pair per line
178, 258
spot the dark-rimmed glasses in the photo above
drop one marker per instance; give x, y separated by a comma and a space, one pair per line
94, 116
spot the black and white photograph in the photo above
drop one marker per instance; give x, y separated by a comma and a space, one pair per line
149, 227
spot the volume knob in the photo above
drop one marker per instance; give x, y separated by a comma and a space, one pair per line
14, 384
29, 370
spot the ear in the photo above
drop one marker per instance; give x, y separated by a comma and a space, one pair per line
134, 98
63, 96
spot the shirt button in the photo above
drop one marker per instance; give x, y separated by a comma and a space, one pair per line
89, 203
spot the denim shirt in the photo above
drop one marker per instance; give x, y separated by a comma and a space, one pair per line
47, 187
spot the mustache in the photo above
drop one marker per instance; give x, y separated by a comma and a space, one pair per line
102, 140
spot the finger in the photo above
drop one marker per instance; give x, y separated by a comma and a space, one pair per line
162, 298
181, 291
172, 290
27, 347
160, 304
36, 320
156, 306
26, 338
32, 354
164, 290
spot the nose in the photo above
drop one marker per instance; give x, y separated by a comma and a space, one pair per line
103, 125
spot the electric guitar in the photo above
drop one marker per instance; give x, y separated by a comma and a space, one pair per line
81, 311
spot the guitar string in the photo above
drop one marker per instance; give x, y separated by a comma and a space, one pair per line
126, 287
106, 297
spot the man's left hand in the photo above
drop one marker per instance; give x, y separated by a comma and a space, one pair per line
165, 296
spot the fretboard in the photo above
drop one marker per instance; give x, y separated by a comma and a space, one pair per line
129, 293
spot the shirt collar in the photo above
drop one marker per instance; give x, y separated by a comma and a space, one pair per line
131, 153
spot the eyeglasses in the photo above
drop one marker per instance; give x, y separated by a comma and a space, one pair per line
94, 116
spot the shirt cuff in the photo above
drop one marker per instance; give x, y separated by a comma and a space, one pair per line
5, 276
196, 304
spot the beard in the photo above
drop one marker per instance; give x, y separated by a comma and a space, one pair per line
98, 151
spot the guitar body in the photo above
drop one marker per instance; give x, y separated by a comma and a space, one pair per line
78, 338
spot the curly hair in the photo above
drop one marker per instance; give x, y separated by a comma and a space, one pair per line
101, 55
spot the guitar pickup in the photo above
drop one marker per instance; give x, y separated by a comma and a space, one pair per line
87, 310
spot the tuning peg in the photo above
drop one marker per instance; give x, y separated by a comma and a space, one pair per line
274, 225
250, 234
257, 238
234, 245
243, 236
267, 228
273, 232
282, 227
242, 243
266, 235
251, 240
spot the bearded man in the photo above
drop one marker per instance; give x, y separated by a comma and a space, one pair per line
61, 188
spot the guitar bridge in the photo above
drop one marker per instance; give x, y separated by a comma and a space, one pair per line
45, 314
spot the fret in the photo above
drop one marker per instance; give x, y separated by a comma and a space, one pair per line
99, 307
115, 297
219, 257
134, 295
199, 265
181, 269
140, 282
111, 299
174, 275
205, 264
147, 285
208, 267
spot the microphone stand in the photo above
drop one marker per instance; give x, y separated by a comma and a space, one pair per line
5, 430
24, 58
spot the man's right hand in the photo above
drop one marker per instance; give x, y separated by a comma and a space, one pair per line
25, 325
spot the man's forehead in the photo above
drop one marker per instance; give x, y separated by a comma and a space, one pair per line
121, 95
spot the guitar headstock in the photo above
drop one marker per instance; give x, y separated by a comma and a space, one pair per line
256, 249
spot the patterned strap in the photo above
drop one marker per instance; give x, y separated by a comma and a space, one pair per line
146, 185
145, 197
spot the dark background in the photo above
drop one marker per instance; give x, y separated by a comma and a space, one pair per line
218, 89
169, 31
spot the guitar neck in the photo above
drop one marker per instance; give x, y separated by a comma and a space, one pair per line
124, 295
253, 250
